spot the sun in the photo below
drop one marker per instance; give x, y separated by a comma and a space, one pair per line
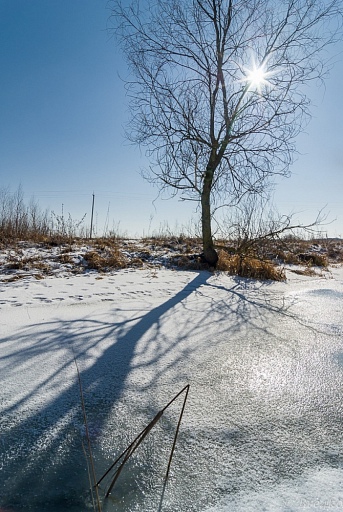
256, 76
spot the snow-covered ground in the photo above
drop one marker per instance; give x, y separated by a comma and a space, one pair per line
262, 428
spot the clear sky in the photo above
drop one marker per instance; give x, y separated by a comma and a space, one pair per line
62, 115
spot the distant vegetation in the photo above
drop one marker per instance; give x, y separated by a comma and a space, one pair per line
36, 240
22, 221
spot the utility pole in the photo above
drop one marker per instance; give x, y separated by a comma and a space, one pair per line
91, 231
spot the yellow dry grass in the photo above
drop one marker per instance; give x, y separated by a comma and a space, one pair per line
105, 260
247, 266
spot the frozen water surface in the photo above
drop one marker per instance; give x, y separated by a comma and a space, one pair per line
262, 428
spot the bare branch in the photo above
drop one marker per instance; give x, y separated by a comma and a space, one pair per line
209, 130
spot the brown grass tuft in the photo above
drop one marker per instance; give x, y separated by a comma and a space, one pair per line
104, 260
188, 262
249, 267
27, 264
315, 259
307, 271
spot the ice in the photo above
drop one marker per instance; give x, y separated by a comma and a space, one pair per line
262, 428
316, 491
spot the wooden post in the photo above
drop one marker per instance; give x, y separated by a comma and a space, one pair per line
91, 231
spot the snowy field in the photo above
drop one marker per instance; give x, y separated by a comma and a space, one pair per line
262, 428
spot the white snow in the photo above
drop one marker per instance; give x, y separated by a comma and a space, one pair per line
262, 425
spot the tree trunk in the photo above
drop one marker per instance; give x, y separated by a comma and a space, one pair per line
210, 254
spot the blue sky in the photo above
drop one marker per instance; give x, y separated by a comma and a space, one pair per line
62, 112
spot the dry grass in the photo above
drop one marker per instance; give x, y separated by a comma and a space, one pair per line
309, 258
65, 258
27, 264
106, 254
20, 221
105, 260
247, 266
314, 259
106, 243
181, 244
25, 230
307, 271
188, 262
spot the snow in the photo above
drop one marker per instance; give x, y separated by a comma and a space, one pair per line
262, 424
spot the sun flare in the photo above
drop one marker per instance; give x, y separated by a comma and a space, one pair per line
256, 76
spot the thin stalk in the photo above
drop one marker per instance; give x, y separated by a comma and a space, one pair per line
129, 448
89, 475
177, 432
87, 437
139, 439
173, 447
144, 433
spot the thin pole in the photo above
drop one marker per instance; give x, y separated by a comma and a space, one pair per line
90, 235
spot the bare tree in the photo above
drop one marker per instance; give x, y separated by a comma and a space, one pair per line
218, 92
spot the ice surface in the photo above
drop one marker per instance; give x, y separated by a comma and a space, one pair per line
315, 491
262, 429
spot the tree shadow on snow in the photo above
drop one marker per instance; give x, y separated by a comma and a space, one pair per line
37, 445
43, 463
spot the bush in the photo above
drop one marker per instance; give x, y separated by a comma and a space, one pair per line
105, 260
248, 266
21, 221
188, 262
318, 260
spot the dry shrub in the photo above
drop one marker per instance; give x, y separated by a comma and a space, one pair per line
249, 267
136, 262
65, 258
288, 257
227, 262
30, 263
190, 262
105, 260
40, 265
65, 242
15, 265
308, 258
104, 243
318, 260
181, 244
335, 254
334, 250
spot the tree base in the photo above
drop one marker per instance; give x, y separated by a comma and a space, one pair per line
210, 256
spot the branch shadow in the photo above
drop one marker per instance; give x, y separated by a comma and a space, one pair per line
41, 436
39, 440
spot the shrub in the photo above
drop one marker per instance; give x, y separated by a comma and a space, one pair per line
27, 264
188, 262
287, 257
105, 260
318, 260
136, 262
65, 258
248, 266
